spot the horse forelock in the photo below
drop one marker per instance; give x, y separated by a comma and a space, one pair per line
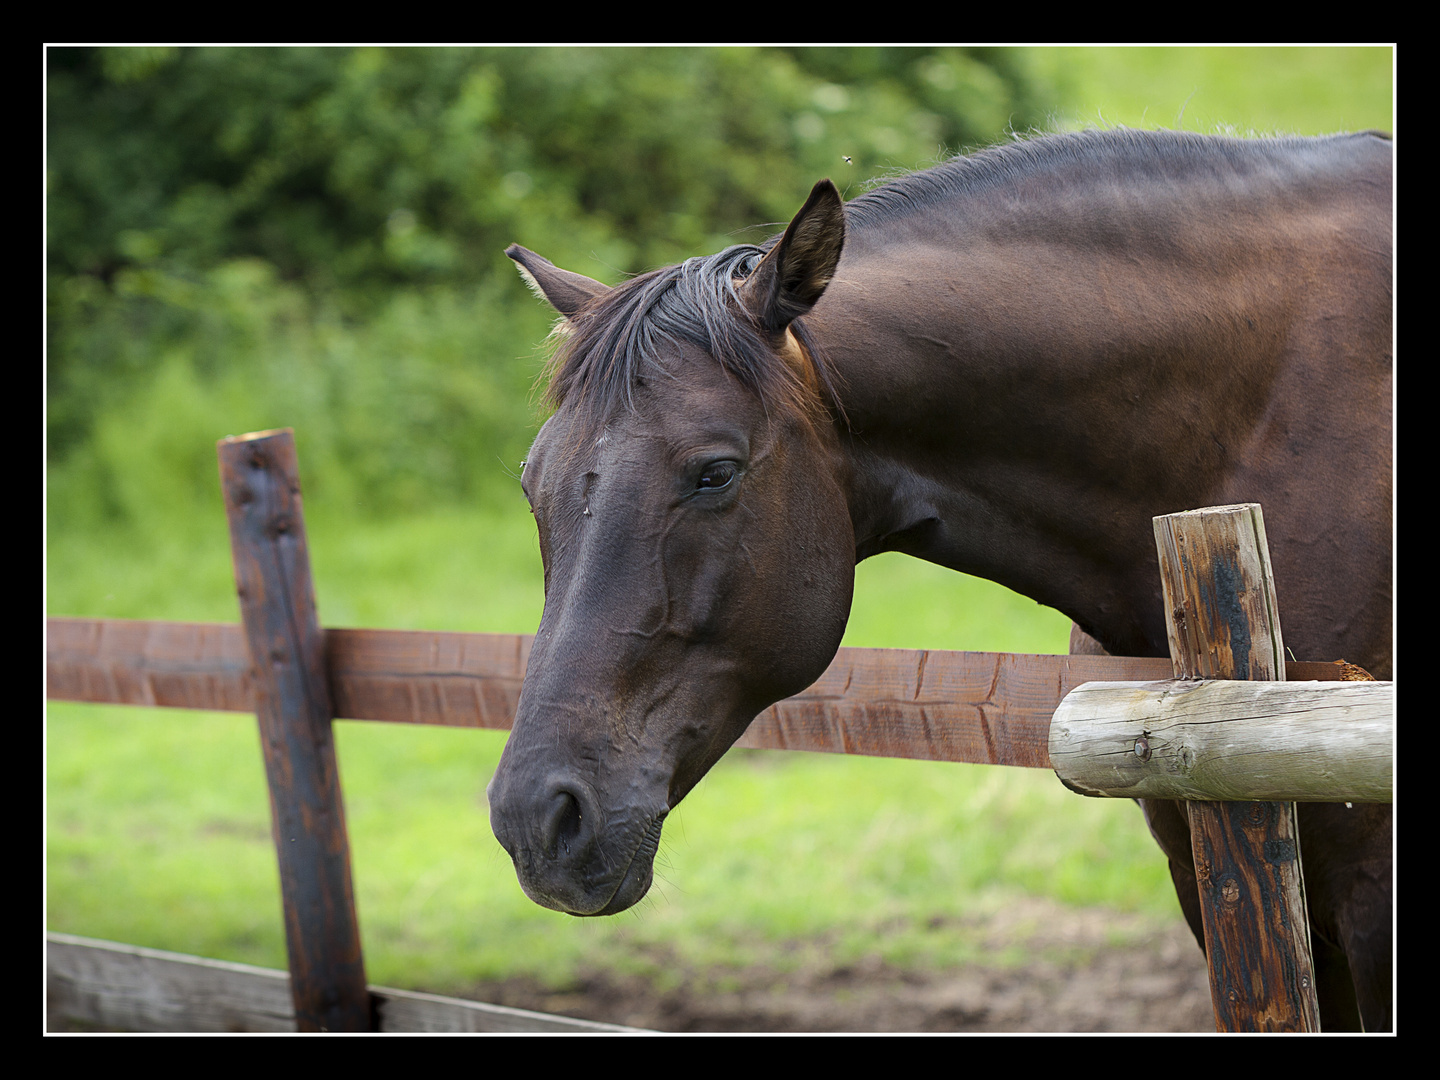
620, 338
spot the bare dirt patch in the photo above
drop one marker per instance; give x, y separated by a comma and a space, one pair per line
1085, 970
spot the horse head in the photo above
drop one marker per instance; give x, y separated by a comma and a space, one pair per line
698, 549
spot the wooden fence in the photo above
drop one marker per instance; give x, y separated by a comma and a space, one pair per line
988, 708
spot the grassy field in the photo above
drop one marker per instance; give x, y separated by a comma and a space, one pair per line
158, 824
1264, 91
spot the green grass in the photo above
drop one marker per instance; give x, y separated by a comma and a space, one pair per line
1313, 90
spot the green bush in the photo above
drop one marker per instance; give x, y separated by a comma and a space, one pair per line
244, 238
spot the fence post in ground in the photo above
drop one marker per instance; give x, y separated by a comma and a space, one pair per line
1223, 624
260, 479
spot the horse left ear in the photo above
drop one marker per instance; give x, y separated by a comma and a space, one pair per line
567, 291
790, 279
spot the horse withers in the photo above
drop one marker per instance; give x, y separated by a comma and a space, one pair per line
1007, 365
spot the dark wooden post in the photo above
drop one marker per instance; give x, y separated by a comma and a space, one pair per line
260, 478
1223, 624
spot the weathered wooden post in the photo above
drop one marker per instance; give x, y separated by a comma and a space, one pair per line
1223, 623
260, 478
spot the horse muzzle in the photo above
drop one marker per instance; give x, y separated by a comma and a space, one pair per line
570, 854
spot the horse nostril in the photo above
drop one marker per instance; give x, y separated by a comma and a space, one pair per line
563, 823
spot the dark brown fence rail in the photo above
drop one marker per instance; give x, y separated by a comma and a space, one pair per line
986, 708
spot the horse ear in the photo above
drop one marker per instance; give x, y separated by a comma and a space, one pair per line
790, 279
566, 291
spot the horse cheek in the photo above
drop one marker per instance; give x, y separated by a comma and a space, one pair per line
816, 583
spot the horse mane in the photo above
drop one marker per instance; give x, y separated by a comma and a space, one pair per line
613, 342
1092, 152
616, 340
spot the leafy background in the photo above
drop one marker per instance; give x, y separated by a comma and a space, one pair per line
247, 238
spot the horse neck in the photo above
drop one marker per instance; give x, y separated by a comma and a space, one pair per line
1023, 418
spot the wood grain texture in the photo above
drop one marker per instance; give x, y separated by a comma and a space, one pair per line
984, 708
933, 705
423, 677
176, 665
259, 476
1220, 740
102, 985
114, 987
1223, 622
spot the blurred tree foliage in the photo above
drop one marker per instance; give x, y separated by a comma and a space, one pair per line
242, 238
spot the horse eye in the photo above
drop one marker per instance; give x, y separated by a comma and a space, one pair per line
716, 476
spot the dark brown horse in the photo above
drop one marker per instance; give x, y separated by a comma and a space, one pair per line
1006, 365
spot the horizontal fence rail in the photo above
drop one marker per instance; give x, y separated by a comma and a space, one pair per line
106, 986
1218, 740
978, 707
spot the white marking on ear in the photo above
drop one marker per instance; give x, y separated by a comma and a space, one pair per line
531, 282
562, 327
